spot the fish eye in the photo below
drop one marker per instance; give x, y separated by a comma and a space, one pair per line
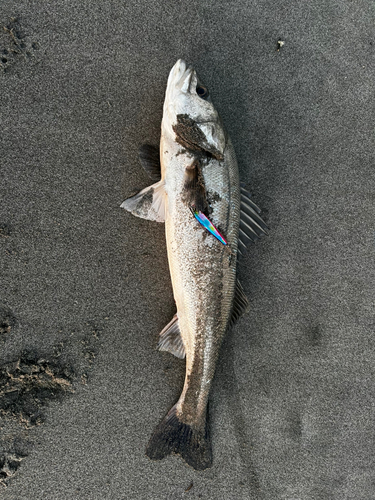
202, 92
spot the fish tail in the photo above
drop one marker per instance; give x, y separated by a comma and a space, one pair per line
174, 436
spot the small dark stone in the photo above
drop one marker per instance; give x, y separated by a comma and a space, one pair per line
314, 336
29, 356
13, 465
7, 319
21, 447
26, 369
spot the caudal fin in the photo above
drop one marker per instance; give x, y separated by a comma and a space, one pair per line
174, 436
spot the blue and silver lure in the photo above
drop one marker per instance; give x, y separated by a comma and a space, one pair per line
207, 224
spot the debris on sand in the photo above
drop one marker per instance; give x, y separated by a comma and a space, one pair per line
26, 385
7, 320
15, 45
34, 378
280, 44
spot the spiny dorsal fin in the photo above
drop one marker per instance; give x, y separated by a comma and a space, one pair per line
171, 340
240, 304
149, 157
148, 203
252, 226
194, 193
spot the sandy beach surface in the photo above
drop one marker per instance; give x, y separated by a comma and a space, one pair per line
85, 287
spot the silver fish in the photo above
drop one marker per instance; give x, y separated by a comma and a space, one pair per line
198, 171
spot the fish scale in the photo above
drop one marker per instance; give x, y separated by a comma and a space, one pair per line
203, 272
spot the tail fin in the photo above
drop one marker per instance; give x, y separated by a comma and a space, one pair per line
173, 436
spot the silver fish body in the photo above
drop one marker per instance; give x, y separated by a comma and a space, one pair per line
203, 270
198, 171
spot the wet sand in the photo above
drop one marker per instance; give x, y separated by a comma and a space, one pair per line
85, 286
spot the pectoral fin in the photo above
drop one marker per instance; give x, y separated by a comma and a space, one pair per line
148, 203
240, 304
171, 340
149, 156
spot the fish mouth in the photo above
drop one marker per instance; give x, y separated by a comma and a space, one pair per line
180, 76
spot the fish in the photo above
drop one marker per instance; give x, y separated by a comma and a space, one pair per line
209, 221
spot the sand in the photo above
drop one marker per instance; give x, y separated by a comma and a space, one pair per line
85, 286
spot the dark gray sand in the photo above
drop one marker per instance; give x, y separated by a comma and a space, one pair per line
85, 286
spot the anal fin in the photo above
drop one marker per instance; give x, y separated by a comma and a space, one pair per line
171, 340
240, 304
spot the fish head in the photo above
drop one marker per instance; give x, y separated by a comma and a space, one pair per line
189, 116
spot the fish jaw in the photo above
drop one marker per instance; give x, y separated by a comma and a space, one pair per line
179, 78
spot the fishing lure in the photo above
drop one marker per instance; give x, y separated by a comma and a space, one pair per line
207, 224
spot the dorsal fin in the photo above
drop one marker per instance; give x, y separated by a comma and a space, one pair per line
194, 193
252, 226
171, 340
240, 304
149, 156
